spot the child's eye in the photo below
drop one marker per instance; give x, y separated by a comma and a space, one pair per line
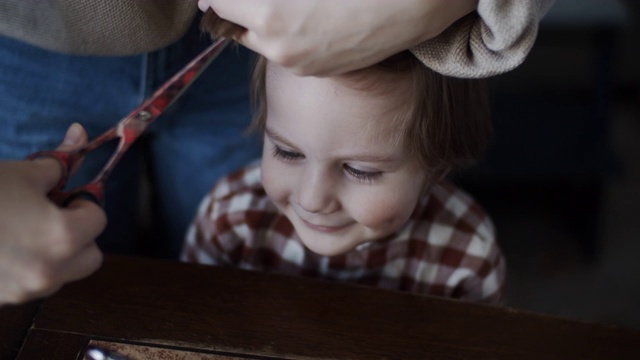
285, 155
363, 176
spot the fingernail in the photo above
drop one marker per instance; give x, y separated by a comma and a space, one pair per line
73, 135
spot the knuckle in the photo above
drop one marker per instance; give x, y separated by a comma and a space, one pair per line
63, 241
269, 23
61, 247
99, 257
295, 61
13, 298
95, 259
281, 55
11, 295
267, 20
39, 278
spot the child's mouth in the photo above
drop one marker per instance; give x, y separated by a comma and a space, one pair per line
324, 228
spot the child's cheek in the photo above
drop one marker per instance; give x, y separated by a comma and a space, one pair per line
275, 182
387, 208
383, 213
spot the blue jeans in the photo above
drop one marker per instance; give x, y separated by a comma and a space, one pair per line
198, 140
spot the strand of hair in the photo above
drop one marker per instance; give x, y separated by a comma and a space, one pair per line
216, 26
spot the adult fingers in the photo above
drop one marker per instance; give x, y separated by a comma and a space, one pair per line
246, 13
69, 254
50, 278
85, 218
75, 137
203, 5
86, 262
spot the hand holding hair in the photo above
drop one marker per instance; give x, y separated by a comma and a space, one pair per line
330, 37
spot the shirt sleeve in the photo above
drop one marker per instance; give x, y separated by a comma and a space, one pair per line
210, 235
493, 40
486, 265
487, 283
221, 225
463, 259
200, 234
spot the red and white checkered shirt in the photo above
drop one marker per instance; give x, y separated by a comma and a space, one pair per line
446, 248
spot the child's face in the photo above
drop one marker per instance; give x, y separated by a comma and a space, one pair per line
329, 163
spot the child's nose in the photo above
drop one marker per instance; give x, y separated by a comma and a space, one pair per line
316, 192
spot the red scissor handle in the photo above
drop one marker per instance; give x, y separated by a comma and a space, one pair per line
127, 130
94, 190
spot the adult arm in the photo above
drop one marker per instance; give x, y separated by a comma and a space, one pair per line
328, 37
43, 246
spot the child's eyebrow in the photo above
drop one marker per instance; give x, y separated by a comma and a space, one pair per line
371, 158
273, 135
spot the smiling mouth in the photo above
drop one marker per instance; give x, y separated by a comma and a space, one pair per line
324, 229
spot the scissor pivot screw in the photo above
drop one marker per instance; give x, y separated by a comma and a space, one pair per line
144, 115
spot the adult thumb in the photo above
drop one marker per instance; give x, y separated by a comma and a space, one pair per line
75, 137
49, 169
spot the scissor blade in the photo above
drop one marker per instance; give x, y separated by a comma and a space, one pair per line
173, 88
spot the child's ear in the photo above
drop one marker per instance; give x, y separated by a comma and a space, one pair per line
216, 26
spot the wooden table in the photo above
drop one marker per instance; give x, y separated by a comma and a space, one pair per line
167, 310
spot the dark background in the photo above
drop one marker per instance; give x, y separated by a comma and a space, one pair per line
562, 177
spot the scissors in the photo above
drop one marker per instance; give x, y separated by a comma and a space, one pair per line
127, 130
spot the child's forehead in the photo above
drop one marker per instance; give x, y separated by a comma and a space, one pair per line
369, 82
361, 105
378, 106
356, 95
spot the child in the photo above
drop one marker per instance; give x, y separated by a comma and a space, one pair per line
351, 184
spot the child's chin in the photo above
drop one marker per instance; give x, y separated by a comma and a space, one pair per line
324, 247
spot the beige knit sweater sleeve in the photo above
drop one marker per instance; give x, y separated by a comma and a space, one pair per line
493, 40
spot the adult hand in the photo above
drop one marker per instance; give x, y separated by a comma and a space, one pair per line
43, 246
329, 37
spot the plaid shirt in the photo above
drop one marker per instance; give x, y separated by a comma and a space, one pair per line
446, 248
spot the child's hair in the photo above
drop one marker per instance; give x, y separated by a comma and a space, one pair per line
446, 122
